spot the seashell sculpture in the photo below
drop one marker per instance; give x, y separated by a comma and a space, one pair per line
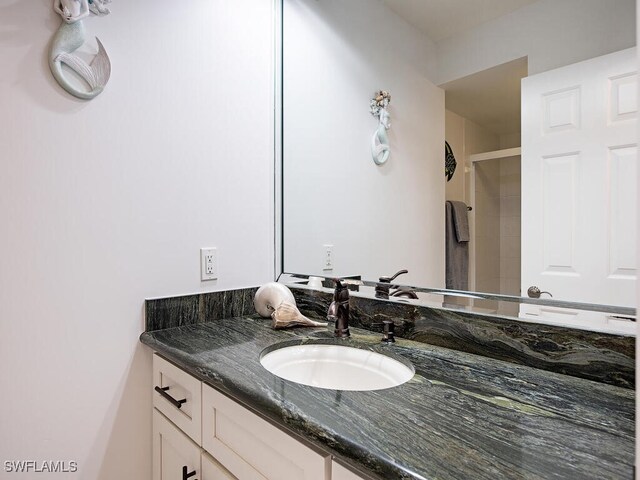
276, 301
288, 315
269, 296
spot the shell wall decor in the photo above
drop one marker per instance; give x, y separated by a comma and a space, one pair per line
71, 36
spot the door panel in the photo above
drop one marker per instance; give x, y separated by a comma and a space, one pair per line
579, 186
173, 451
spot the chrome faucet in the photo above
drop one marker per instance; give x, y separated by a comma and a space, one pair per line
339, 311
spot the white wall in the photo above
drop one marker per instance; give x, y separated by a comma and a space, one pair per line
337, 54
469, 138
510, 140
466, 138
552, 33
107, 202
454, 134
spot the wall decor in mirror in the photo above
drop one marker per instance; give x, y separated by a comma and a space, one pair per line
380, 150
537, 102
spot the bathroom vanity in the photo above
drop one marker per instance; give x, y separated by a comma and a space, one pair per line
461, 415
209, 436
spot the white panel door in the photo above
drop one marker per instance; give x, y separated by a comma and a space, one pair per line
338, 472
175, 456
579, 159
212, 470
253, 449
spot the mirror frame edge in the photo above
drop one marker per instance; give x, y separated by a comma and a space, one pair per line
278, 139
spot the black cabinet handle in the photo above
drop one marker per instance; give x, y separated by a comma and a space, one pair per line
185, 475
174, 402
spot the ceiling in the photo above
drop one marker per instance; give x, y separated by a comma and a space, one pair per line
490, 98
440, 19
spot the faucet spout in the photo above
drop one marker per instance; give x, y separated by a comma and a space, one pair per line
339, 311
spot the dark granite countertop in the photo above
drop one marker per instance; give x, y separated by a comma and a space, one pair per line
462, 416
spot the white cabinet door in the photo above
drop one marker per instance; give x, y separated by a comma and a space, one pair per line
212, 470
579, 158
175, 456
338, 472
253, 449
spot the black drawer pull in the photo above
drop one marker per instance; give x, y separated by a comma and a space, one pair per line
174, 402
185, 475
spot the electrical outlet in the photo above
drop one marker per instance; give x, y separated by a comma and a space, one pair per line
208, 264
328, 257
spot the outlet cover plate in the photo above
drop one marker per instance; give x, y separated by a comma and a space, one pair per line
208, 264
328, 257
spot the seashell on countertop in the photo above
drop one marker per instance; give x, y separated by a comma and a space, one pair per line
288, 315
269, 296
275, 300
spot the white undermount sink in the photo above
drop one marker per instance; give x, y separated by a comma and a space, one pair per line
336, 367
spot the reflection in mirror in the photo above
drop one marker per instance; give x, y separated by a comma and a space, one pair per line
537, 101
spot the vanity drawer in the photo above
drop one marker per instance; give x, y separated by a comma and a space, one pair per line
251, 448
177, 385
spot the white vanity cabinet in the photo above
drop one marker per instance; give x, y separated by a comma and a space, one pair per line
198, 429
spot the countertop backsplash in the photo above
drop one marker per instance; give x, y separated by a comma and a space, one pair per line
161, 313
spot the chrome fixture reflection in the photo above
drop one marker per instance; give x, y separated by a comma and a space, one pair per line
534, 292
383, 289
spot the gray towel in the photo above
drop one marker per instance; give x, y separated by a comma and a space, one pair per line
461, 220
457, 251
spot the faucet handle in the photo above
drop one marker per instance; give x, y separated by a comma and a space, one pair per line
382, 289
390, 279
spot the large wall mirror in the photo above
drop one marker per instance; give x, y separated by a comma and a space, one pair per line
536, 101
